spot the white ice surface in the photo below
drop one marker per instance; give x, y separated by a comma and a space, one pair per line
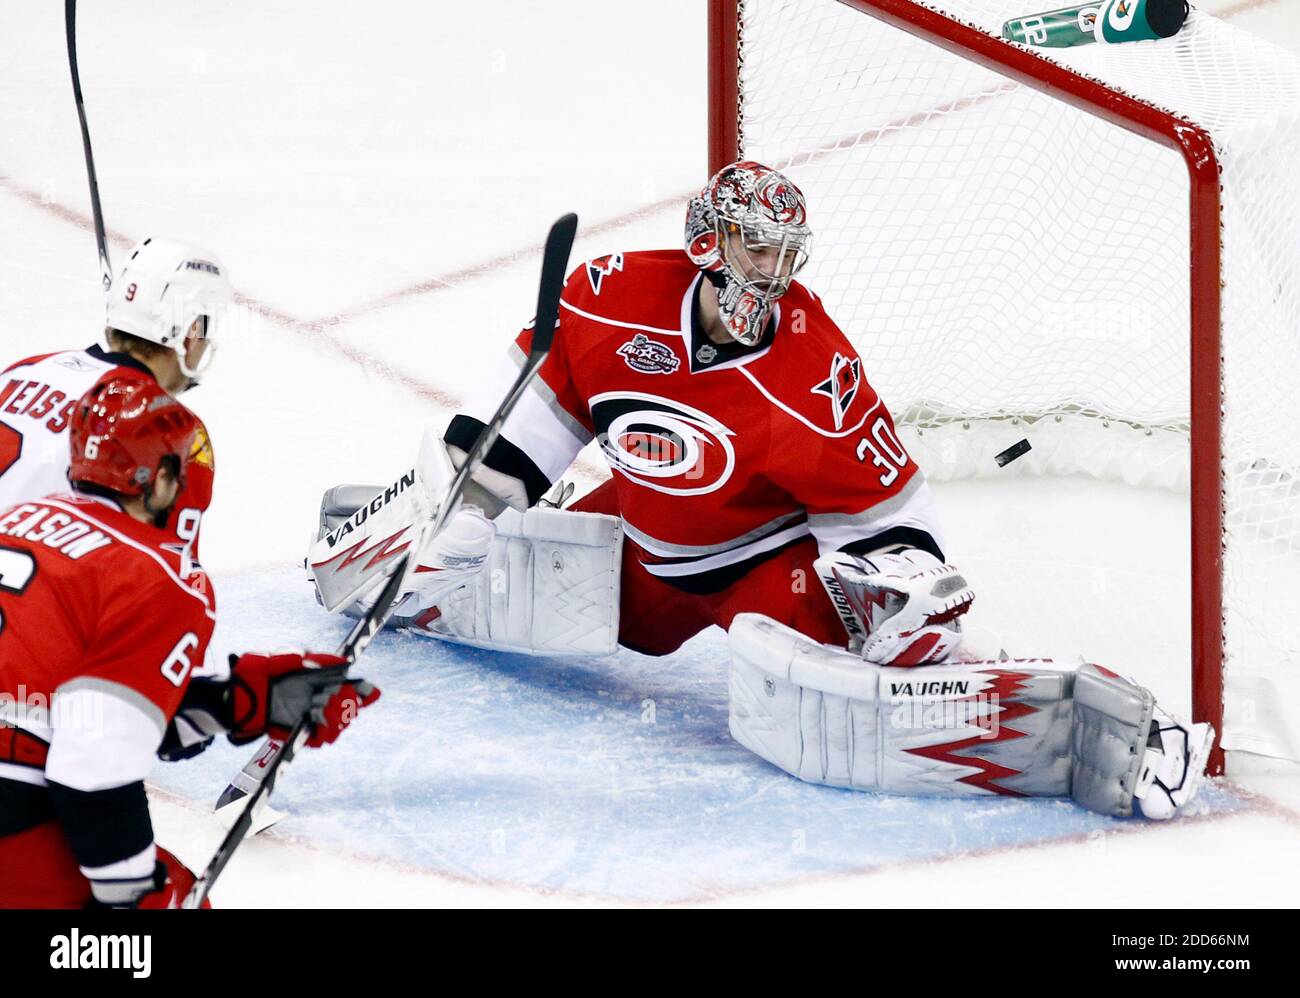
378, 186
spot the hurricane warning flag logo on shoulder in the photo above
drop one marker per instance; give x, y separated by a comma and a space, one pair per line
601, 267
841, 387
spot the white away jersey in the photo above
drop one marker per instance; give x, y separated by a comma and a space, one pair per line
37, 396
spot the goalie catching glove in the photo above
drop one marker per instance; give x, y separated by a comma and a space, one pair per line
900, 608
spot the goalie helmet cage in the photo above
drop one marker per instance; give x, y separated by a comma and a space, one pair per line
1104, 239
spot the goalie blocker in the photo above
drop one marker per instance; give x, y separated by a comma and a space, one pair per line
543, 581
1013, 728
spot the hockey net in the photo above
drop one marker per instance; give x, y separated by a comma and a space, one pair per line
1096, 249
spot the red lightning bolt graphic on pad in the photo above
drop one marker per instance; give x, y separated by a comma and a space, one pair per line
1005, 686
380, 550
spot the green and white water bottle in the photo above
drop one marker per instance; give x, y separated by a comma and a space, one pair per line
1109, 21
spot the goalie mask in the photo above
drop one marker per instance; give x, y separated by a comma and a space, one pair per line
747, 230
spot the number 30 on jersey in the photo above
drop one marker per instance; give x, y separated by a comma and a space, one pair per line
885, 451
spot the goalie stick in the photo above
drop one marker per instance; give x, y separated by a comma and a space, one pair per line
105, 270
266, 763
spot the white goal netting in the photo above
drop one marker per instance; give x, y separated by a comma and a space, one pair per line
1011, 266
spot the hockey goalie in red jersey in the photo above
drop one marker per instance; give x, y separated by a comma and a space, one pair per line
743, 434
759, 485
102, 617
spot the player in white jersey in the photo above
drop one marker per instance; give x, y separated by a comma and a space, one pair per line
163, 314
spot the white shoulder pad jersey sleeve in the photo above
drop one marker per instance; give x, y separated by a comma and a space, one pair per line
544, 433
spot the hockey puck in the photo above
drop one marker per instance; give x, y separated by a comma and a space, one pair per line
1019, 448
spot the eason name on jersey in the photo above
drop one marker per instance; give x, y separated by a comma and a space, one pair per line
60, 531
374, 506
124, 952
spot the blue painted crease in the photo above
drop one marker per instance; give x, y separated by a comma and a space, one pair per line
614, 776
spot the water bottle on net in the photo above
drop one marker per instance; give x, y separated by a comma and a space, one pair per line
1108, 22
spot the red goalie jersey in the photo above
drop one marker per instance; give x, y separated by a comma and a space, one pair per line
724, 456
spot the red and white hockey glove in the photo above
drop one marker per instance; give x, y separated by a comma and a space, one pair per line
900, 609
173, 881
269, 694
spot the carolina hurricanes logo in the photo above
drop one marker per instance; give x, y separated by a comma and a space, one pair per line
841, 387
701, 236
662, 444
703, 247
601, 267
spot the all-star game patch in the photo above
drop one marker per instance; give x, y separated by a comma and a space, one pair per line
1018, 449
648, 356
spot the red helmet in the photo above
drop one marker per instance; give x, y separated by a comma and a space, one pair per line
123, 429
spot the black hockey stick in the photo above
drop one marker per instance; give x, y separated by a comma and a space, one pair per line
554, 260
555, 257
105, 270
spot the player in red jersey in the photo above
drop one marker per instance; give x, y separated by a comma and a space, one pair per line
751, 457
744, 437
163, 319
101, 620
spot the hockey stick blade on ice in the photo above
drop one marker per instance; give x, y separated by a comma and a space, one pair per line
555, 258
105, 270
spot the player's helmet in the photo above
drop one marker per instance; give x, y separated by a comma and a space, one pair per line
164, 287
745, 211
122, 430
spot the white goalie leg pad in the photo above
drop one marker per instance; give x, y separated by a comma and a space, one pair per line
1019, 727
1112, 720
1130, 757
826, 716
551, 585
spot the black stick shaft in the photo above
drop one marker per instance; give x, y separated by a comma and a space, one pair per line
105, 269
554, 262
